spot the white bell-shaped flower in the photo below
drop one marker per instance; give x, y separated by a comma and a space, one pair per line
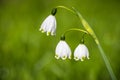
49, 25
81, 52
63, 50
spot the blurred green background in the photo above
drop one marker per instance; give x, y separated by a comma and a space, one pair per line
27, 54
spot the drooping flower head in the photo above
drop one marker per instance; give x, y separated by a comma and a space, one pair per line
63, 50
49, 24
81, 52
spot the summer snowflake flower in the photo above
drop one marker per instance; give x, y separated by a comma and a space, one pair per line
81, 52
49, 25
62, 50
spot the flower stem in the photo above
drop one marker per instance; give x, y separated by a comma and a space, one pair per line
107, 63
91, 32
75, 29
66, 9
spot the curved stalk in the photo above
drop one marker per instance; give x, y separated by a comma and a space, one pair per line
87, 26
91, 32
66, 9
75, 29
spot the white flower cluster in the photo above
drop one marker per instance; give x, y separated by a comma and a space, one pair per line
63, 51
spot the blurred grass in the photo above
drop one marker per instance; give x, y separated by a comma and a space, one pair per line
27, 54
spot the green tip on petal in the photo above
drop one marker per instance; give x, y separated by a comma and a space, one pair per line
64, 57
42, 30
83, 58
76, 58
48, 33
56, 56
70, 57
88, 58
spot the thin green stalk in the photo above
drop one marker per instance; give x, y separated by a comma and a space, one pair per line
107, 63
91, 32
66, 9
75, 29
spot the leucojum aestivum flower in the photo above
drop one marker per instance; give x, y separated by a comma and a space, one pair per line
63, 50
49, 24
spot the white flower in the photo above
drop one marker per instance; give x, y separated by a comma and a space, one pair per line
62, 50
81, 52
49, 25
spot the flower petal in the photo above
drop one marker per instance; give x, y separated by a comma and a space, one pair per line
63, 50
81, 52
49, 25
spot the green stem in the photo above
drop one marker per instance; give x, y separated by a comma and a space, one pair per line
75, 29
66, 9
107, 63
91, 32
